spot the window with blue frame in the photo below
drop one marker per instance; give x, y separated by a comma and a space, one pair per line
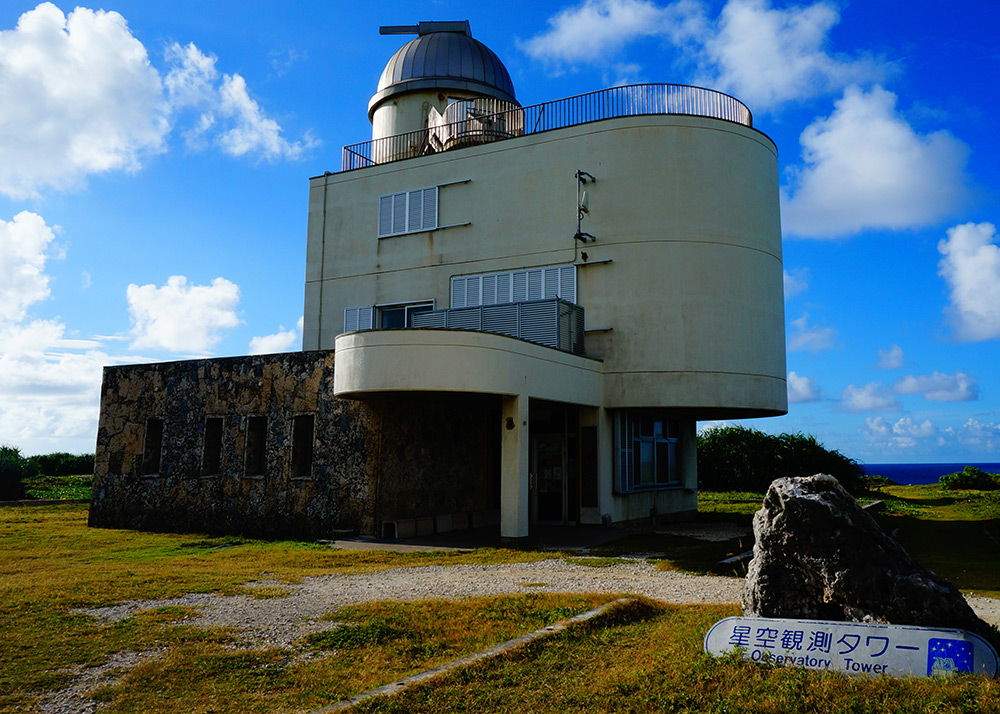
645, 451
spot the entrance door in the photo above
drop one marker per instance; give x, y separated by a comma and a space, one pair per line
548, 468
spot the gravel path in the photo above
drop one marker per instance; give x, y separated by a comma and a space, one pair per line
278, 622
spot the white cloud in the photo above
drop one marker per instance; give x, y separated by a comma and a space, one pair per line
891, 358
810, 338
796, 282
49, 383
903, 434
971, 267
704, 426
865, 167
283, 60
869, 398
802, 389
229, 117
974, 433
182, 318
767, 56
595, 30
940, 387
79, 97
192, 76
906, 427
281, 341
762, 55
51, 399
253, 131
24, 242
878, 427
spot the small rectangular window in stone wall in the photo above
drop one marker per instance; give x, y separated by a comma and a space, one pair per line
211, 458
302, 446
255, 461
152, 446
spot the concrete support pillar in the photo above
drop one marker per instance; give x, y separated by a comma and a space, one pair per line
606, 464
514, 513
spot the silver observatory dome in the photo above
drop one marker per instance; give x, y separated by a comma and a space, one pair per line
443, 57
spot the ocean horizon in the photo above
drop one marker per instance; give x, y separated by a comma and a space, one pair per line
921, 474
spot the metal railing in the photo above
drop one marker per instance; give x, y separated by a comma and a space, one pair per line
553, 322
480, 121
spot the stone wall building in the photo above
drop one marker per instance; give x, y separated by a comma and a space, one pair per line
512, 313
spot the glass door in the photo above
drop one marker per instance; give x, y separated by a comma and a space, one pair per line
548, 469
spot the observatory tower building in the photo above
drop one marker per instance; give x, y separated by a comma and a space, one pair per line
514, 315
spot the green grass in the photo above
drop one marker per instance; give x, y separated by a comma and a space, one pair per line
955, 533
50, 563
376, 643
646, 657
58, 487
952, 532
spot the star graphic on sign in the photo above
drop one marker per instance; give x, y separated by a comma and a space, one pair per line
945, 656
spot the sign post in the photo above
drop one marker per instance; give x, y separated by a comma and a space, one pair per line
854, 647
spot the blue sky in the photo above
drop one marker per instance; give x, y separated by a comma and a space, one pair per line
154, 160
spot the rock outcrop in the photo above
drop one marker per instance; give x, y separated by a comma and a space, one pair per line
819, 555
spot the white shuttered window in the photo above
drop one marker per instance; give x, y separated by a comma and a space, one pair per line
358, 318
514, 286
408, 212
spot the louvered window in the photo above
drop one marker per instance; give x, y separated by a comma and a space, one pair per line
408, 212
358, 318
514, 286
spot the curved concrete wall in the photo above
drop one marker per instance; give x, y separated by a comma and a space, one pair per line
684, 208
405, 112
461, 361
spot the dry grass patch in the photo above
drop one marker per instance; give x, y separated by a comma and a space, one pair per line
628, 663
376, 644
52, 563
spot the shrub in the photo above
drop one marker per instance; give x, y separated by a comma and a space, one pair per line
876, 483
62, 464
971, 478
13, 468
736, 458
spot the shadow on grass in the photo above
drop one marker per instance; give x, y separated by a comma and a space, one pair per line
965, 552
673, 552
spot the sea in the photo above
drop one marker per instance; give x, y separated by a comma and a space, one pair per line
920, 474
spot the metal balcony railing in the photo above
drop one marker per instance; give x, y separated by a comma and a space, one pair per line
553, 323
478, 121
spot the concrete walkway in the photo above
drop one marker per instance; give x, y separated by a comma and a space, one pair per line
565, 538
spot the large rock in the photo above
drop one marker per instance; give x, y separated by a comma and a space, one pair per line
818, 555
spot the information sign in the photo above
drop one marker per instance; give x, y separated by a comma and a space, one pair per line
854, 647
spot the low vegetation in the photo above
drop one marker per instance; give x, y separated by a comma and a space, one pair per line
45, 476
736, 457
971, 478
644, 657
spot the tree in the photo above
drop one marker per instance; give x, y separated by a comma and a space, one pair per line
736, 458
60, 463
13, 468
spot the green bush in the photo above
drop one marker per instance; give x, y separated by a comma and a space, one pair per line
971, 478
62, 464
736, 458
13, 468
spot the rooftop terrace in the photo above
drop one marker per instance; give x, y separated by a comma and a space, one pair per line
477, 121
